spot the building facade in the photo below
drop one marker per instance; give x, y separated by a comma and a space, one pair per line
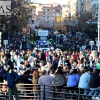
50, 15
71, 12
83, 6
94, 7
46, 14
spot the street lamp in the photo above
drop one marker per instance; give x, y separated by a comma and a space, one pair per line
99, 25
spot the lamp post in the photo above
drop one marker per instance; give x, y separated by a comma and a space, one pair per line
99, 25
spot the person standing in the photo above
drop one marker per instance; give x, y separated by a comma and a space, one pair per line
24, 43
42, 56
35, 78
12, 78
30, 59
55, 63
46, 80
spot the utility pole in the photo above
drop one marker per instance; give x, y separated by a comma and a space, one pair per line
99, 25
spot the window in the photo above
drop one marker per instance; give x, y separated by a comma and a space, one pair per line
58, 10
96, 18
47, 17
96, 14
57, 14
44, 13
95, 6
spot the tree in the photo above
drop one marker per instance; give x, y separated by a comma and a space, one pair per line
89, 29
58, 19
20, 13
82, 19
57, 23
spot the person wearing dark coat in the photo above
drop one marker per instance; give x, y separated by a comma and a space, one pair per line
94, 83
8, 55
12, 79
42, 56
68, 63
55, 63
50, 58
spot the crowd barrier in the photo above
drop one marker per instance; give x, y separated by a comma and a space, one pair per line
44, 92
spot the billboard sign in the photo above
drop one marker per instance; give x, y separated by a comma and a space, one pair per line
5, 7
42, 32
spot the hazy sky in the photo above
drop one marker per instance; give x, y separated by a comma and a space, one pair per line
52, 1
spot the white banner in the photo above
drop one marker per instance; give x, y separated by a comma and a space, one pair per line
42, 32
91, 42
5, 42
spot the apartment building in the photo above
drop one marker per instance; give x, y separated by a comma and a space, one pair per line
71, 12
94, 7
32, 17
49, 13
46, 14
83, 6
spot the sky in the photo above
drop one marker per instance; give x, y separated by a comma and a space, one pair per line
51, 1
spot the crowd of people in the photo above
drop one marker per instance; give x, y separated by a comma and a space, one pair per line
74, 42
51, 68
